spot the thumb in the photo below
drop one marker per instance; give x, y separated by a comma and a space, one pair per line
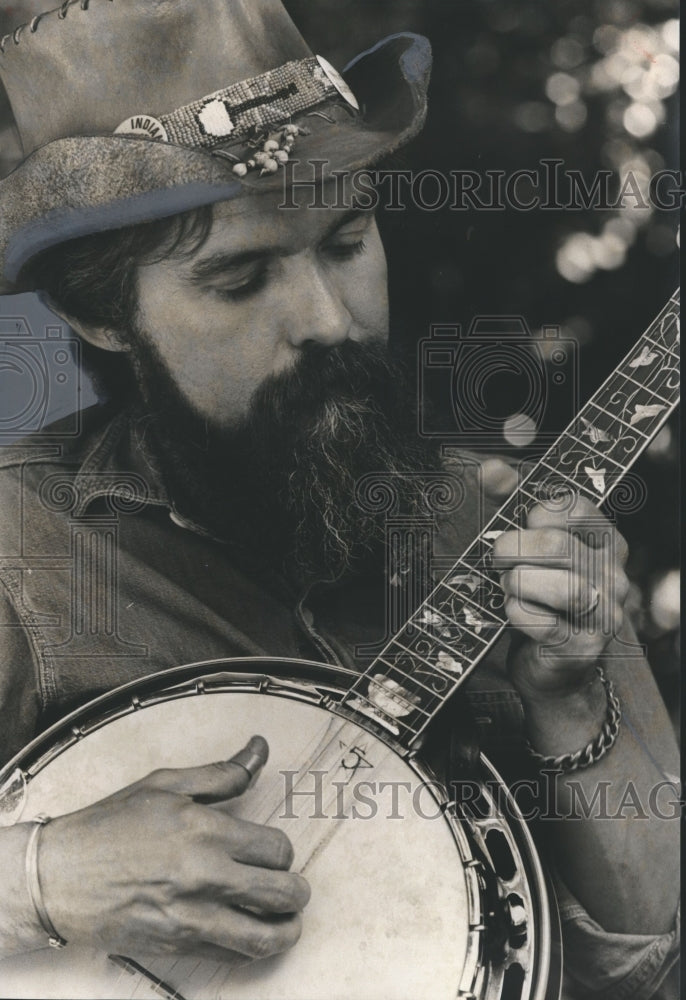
224, 779
498, 478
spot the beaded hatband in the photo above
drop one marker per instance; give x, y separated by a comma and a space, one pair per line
246, 108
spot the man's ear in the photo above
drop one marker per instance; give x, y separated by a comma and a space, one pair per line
104, 337
99, 336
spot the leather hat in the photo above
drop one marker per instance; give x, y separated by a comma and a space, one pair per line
134, 110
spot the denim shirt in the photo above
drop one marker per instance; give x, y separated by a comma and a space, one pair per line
104, 581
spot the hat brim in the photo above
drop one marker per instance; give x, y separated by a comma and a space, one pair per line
85, 184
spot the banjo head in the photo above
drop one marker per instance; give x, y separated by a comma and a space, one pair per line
410, 897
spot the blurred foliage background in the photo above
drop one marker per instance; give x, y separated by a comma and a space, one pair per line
592, 83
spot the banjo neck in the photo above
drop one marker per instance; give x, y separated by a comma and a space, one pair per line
423, 665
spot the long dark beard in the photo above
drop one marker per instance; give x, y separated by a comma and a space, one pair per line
282, 483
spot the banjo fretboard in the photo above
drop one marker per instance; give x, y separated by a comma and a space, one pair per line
463, 616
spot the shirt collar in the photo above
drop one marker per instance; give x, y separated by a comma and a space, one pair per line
120, 467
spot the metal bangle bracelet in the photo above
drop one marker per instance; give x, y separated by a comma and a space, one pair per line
55, 940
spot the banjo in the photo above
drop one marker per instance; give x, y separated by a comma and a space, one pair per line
450, 902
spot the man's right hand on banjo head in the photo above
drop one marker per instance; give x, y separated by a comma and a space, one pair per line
162, 866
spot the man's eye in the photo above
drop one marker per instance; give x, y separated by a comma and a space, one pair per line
344, 251
243, 289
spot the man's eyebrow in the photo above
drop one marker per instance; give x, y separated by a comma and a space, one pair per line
347, 217
227, 260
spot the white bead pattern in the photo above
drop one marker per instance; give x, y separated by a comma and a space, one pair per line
250, 106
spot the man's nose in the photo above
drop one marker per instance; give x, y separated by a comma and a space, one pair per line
319, 314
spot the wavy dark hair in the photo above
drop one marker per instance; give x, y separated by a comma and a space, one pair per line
94, 279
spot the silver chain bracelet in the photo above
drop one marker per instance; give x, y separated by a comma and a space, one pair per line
598, 747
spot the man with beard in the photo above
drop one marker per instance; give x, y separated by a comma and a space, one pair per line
251, 389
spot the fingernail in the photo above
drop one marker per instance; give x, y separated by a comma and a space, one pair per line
253, 756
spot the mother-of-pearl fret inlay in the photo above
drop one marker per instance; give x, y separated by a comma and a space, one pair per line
449, 633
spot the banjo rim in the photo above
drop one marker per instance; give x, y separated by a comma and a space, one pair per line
325, 683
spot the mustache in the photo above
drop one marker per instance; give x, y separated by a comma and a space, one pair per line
311, 434
364, 377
